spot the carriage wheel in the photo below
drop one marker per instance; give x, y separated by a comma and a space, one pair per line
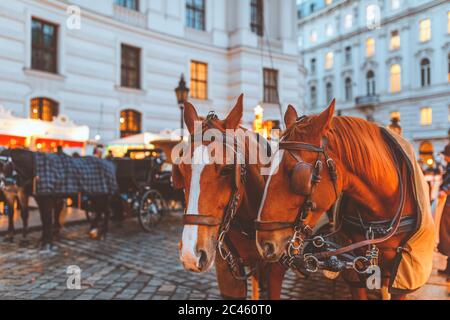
151, 209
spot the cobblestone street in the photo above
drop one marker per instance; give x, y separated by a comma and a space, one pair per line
132, 264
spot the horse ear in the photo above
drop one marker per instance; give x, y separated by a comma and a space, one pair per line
190, 116
290, 117
235, 116
177, 178
323, 120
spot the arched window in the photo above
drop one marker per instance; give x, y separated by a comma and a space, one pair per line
348, 89
43, 109
130, 123
313, 97
395, 78
425, 72
370, 83
448, 71
329, 90
373, 16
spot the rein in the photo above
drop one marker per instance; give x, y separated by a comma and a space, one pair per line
295, 258
232, 259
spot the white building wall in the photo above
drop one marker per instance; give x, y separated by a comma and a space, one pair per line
412, 96
87, 86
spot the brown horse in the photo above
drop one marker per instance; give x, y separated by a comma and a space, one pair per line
223, 198
360, 165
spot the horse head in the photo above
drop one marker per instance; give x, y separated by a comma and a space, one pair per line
22, 162
210, 174
303, 183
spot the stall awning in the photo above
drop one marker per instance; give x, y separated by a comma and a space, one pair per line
61, 131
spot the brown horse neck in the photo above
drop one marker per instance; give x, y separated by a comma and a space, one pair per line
380, 198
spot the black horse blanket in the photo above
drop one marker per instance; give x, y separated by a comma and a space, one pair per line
64, 175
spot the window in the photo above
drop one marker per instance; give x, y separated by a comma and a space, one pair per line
328, 2
130, 123
396, 78
257, 17
313, 65
348, 21
195, 14
329, 60
395, 4
348, 55
426, 116
313, 97
372, 16
44, 55
329, 30
448, 22
448, 71
348, 89
313, 36
425, 30
329, 92
370, 47
312, 7
43, 109
199, 80
425, 72
395, 40
271, 86
370, 83
130, 4
131, 65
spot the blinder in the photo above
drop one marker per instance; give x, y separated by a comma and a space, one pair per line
301, 179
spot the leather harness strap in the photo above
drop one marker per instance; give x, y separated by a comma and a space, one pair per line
201, 220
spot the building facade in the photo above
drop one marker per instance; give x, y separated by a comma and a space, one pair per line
113, 65
384, 60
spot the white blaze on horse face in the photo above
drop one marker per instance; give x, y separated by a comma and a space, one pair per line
276, 161
189, 255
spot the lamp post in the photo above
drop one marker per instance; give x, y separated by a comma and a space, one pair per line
182, 93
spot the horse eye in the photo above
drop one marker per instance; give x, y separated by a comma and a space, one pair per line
226, 171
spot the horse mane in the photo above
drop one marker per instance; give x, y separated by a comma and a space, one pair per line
358, 143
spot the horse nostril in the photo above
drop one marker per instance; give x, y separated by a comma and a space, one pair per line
202, 261
269, 250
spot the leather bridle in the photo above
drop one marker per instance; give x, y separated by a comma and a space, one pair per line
224, 247
294, 257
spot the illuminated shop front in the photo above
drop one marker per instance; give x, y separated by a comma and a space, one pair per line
41, 135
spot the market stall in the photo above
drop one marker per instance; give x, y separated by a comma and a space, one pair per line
41, 135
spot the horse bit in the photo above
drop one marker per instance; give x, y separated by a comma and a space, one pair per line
223, 246
295, 258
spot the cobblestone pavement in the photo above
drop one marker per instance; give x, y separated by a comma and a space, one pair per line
130, 264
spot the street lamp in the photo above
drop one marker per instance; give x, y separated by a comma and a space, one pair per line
182, 93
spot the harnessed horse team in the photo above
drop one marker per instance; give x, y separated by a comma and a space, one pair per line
269, 224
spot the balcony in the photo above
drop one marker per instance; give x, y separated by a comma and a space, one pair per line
367, 101
132, 17
367, 104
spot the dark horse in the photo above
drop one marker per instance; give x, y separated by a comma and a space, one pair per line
50, 205
16, 195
